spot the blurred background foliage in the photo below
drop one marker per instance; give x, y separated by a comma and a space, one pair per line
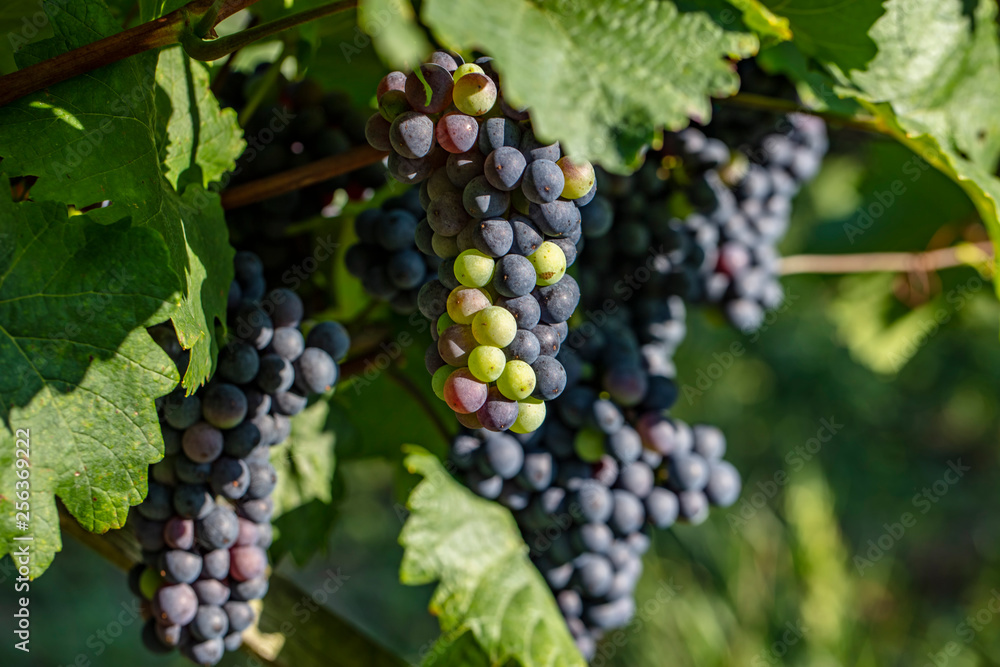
809, 568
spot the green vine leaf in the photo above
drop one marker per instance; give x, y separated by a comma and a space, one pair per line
599, 77
761, 20
833, 31
80, 371
392, 26
93, 139
493, 605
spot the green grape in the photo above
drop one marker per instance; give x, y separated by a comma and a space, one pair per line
392, 104
150, 582
549, 262
465, 302
494, 326
579, 177
589, 445
439, 378
467, 68
474, 94
444, 246
474, 268
444, 322
487, 363
530, 415
517, 380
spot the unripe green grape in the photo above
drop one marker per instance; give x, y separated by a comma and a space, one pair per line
474, 268
444, 322
439, 378
579, 175
474, 94
530, 415
517, 380
392, 104
444, 246
467, 68
487, 363
465, 302
549, 262
494, 326
589, 445
150, 582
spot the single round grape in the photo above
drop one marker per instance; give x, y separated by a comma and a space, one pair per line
530, 415
218, 530
543, 181
493, 237
252, 589
456, 344
465, 302
181, 411
457, 133
557, 218
482, 200
202, 443
501, 455
504, 168
315, 371
687, 472
662, 508
444, 247
406, 269
423, 237
494, 326
486, 363
276, 374
440, 85
559, 301
240, 441
192, 472
597, 217
463, 392
517, 380
524, 347
286, 307
377, 132
473, 268
224, 406
412, 134
159, 638
533, 149
579, 177
432, 300
175, 604
709, 442
287, 343
331, 337
391, 104
178, 533
466, 68
241, 615
514, 276
474, 94
465, 237
447, 215
724, 484
527, 236
441, 376
626, 383
407, 170
498, 412
610, 615
550, 378
263, 479
625, 444
215, 564
549, 262
232, 642
395, 229
211, 591
443, 322
247, 563
247, 535
210, 622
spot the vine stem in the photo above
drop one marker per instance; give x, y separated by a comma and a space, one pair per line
776, 105
300, 177
905, 262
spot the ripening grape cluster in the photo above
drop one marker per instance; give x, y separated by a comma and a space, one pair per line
386, 259
296, 124
590, 484
504, 213
205, 525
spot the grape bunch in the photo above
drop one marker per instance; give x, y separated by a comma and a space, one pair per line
386, 259
587, 487
744, 203
296, 123
503, 213
204, 528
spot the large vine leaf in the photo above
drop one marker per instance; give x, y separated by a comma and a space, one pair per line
493, 605
79, 370
305, 500
763, 21
94, 139
396, 35
599, 76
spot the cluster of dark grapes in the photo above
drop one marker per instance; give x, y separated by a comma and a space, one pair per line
296, 124
607, 466
204, 527
386, 260
744, 202
503, 213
